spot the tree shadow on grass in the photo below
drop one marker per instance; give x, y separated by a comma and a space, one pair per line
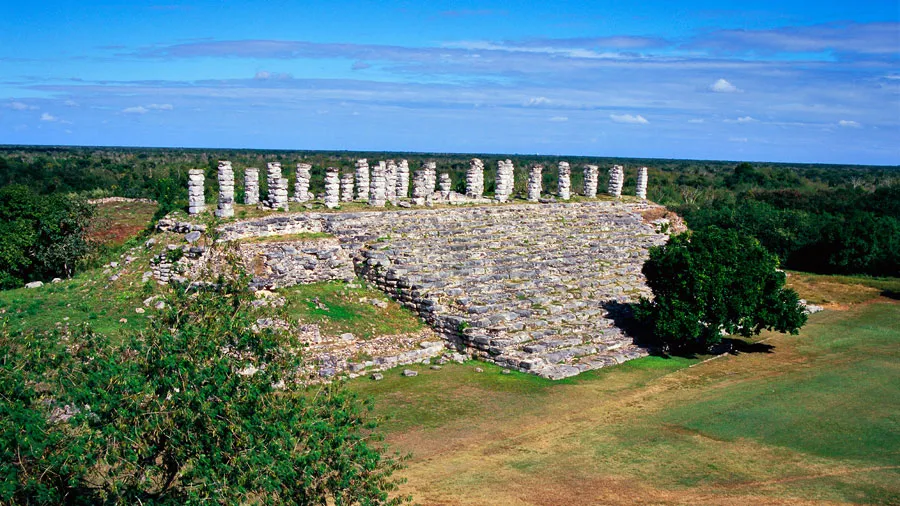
891, 294
622, 315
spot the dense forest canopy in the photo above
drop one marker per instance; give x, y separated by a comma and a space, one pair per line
821, 218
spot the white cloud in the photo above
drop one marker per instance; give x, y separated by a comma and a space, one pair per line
71, 103
265, 75
160, 107
48, 117
559, 119
738, 139
628, 118
723, 86
745, 119
537, 101
695, 120
135, 110
19, 106
849, 124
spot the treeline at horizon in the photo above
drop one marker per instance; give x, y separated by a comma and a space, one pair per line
816, 217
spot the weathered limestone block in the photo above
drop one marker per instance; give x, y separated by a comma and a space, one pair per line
534, 183
475, 179
278, 264
251, 186
225, 207
616, 180
420, 193
301, 186
390, 182
590, 181
347, 187
430, 181
362, 179
446, 185
196, 198
278, 187
565, 181
642, 183
505, 180
377, 194
402, 179
332, 187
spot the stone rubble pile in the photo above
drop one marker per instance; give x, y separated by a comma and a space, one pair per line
475, 179
332, 187
505, 182
590, 181
251, 186
278, 187
616, 180
642, 183
377, 193
225, 208
196, 198
347, 187
301, 186
403, 180
564, 187
534, 183
362, 179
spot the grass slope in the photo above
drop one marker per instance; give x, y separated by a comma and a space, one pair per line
813, 420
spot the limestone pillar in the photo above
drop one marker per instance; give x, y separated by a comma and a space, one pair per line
390, 182
419, 186
377, 186
402, 179
564, 187
430, 178
278, 187
505, 181
347, 187
534, 183
225, 208
475, 179
616, 179
446, 185
642, 183
301, 186
590, 181
332, 187
196, 198
362, 179
251, 186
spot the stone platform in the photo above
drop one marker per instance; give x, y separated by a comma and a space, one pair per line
526, 286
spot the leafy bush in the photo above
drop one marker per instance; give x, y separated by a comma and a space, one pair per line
711, 282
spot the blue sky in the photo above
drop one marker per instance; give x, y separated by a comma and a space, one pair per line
787, 80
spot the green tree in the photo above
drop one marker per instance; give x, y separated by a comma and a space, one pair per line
715, 281
202, 407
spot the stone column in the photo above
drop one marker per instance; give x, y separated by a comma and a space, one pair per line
332, 187
430, 178
534, 183
347, 187
419, 186
196, 198
403, 179
642, 183
390, 182
505, 180
616, 179
225, 208
278, 187
446, 185
251, 186
301, 186
590, 181
564, 187
362, 179
475, 179
377, 188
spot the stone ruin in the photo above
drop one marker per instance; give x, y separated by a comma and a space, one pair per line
196, 197
590, 181
505, 182
616, 180
446, 185
390, 181
251, 186
301, 185
332, 187
278, 187
564, 187
642, 183
362, 180
225, 208
534, 183
402, 180
377, 193
347, 187
475, 179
